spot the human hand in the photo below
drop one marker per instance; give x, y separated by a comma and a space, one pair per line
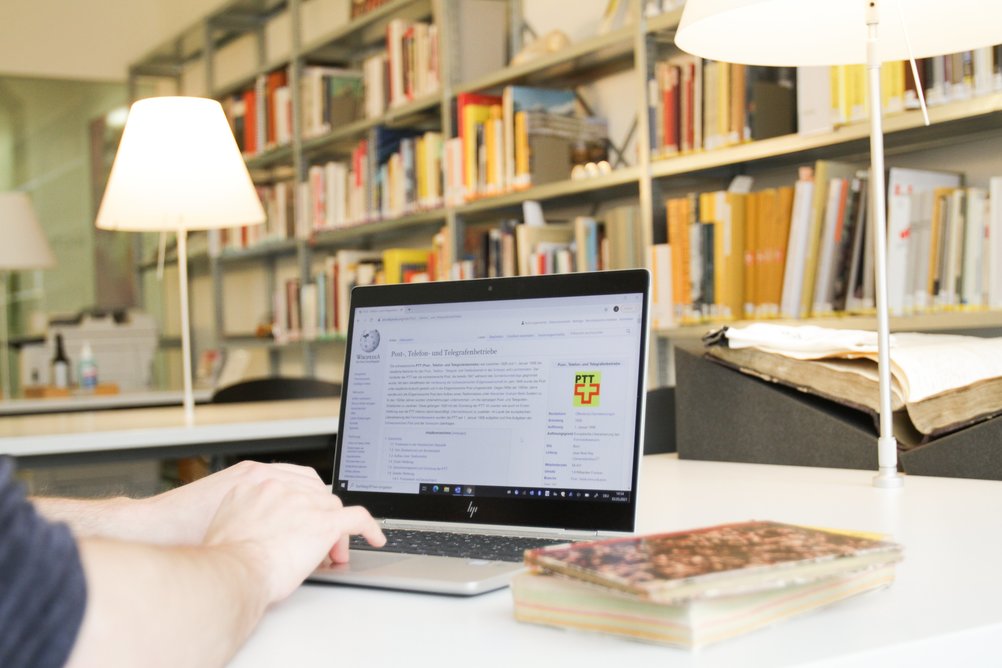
283, 529
181, 516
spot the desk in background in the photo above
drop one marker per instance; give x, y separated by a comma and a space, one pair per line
943, 608
98, 402
137, 433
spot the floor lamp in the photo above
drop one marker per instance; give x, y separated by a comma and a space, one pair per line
24, 247
178, 168
843, 32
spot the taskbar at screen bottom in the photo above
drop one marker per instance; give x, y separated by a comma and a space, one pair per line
533, 493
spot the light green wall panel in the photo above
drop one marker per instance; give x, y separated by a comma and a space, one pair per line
45, 151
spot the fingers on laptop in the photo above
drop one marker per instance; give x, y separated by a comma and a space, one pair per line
354, 520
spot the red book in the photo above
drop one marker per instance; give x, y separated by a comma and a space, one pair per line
410, 62
671, 97
690, 108
250, 121
357, 162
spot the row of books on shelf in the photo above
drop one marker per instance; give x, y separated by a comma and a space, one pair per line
524, 137
318, 308
806, 249
394, 172
279, 203
261, 115
364, 188
513, 248
391, 173
943, 79
407, 70
956, 76
698, 104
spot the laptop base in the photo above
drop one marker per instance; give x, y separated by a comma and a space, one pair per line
437, 575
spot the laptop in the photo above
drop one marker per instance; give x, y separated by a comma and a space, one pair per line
505, 412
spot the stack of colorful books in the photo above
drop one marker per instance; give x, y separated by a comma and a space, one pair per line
695, 588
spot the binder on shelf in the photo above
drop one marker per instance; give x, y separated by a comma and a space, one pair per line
476, 38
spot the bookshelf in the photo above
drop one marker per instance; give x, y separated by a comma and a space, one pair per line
617, 183
293, 34
924, 322
903, 131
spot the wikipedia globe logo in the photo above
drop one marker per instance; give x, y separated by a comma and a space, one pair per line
369, 340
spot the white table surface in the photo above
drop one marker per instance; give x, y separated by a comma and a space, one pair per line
91, 402
60, 433
944, 609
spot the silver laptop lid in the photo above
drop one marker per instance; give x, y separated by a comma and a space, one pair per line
511, 401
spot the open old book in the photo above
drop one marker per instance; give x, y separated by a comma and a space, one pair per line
940, 382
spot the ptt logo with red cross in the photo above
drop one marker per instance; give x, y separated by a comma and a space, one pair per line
587, 388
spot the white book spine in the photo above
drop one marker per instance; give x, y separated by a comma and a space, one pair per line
899, 215
793, 273
972, 289
814, 100
394, 49
995, 243
662, 307
330, 187
954, 249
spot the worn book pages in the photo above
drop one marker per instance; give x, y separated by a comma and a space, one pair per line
566, 603
943, 381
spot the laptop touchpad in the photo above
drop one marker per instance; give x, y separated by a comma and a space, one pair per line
363, 560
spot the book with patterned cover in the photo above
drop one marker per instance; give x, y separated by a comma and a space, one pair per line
716, 561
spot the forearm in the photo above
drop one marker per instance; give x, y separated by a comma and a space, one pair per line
177, 517
147, 520
118, 517
170, 606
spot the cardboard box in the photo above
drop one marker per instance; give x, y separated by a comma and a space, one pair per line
725, 415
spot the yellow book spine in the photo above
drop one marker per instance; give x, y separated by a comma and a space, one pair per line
474, 116
522, 175
735, 242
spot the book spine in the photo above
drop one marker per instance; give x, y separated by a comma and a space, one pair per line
994, 245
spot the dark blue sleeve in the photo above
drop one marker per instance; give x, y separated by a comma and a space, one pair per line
42, 588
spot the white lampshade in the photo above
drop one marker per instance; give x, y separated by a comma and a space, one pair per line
24, 245
178, 167
833, 32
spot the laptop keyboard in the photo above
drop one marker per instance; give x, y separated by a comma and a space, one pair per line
447, 544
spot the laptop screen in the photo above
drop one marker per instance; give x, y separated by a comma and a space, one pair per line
512, 401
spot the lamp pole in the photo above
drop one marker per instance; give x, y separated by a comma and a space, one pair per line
4, 342
182, 274
887, 446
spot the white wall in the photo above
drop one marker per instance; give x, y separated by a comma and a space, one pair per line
88, 39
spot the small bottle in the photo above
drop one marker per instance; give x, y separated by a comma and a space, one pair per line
87, 373
60, 366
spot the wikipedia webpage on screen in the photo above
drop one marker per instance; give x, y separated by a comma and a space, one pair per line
487, 394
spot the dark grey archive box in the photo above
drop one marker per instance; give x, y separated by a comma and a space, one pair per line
725, 415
